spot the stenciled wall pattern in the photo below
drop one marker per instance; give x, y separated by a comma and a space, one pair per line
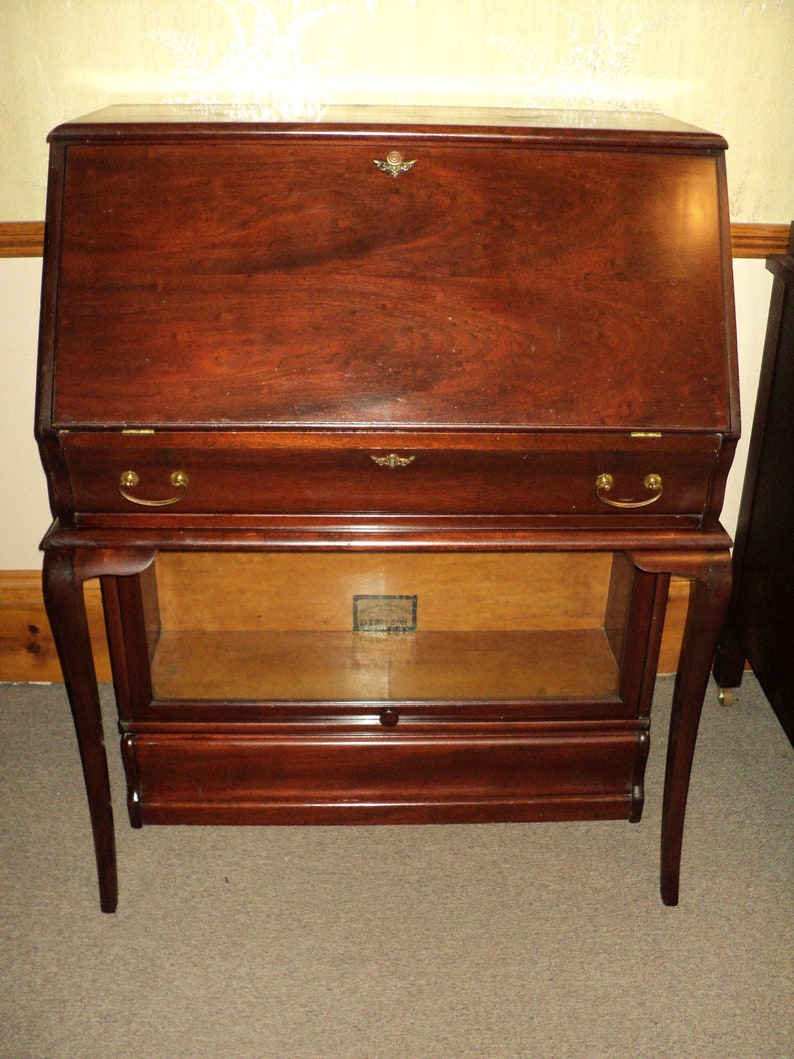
715, 63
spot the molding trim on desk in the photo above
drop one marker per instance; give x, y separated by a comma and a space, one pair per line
26, 239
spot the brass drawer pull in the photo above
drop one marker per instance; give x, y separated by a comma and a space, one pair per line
393, 460
393, 164
130, 479
653, 482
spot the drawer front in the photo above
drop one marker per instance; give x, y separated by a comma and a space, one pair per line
248, 778
403, 474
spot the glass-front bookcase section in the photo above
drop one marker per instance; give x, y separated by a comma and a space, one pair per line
387, 628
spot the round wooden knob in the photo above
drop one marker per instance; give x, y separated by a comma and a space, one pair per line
389, 717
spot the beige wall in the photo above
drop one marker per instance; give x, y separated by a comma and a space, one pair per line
24, 514
721, 64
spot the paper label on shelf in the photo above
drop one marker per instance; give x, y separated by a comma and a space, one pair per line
384, 613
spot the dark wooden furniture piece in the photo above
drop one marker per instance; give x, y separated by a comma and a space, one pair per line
448, 395
760, 626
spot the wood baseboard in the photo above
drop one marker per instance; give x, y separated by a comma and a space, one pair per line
26, 239
27, 651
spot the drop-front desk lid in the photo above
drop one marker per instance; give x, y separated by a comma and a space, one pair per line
441, 269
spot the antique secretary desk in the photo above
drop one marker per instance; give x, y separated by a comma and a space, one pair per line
385, 435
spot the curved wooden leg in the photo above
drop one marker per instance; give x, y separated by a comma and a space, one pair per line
711, 573
63, 598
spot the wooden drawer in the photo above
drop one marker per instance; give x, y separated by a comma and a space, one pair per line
349, 473
500, 772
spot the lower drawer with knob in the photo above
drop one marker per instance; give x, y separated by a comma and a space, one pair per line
184, 473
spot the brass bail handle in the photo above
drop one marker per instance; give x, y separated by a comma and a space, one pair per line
652, 482
394, 163
129, 480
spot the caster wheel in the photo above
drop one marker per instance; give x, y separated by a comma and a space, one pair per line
725, 695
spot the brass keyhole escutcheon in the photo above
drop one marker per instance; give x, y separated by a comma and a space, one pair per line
393, 461
394, 163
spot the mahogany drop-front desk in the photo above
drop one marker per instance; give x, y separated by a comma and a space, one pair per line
385, 435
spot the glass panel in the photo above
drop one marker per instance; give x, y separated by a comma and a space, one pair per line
388, 627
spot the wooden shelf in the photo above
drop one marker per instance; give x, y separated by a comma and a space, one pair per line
383, 667
490, 627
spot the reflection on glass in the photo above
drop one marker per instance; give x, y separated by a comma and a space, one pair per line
388, 627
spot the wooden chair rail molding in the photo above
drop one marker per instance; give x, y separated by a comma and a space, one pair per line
26, 239
21, 238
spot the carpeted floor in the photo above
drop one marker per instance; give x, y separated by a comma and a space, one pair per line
490, 942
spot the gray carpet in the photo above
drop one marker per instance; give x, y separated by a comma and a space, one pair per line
497, 941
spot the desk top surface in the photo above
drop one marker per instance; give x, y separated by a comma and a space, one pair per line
531, 124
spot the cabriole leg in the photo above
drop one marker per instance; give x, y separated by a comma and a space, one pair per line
65, 604
710, 595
